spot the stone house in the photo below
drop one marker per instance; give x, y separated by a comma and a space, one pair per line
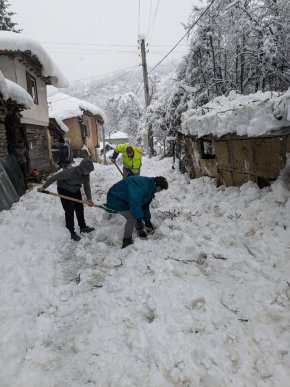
24, 62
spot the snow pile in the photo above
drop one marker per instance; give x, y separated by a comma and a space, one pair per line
203, 302
63, 106
11, 41
11, 90
250, 115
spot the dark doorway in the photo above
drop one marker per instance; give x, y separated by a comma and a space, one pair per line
15, 133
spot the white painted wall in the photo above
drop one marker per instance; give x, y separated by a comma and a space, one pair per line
14, 70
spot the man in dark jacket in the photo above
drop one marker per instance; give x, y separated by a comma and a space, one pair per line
131, 198
65, 154
69, 183
20, 152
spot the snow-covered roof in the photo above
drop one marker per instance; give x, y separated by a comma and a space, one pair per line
116, 135
11, 90
251, 115
14, 42
63, 106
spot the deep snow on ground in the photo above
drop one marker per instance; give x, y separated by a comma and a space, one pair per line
203, 302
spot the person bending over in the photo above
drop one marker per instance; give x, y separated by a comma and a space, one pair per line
132, 159
131, 197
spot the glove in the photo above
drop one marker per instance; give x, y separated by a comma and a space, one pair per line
149, 226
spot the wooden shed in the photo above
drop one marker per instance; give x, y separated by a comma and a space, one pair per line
234, 160
236, 138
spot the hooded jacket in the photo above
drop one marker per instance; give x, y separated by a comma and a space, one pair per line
133, 194
72, 179
133, 164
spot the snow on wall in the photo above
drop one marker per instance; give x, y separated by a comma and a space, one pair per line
63, 106
251, 115
10, 89
12, 41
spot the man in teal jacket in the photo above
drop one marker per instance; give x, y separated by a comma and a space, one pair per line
131, 198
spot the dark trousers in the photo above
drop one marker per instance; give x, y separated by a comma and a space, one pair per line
127, 172
71, 207
23, 167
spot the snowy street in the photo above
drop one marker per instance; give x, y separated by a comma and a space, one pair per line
204, 301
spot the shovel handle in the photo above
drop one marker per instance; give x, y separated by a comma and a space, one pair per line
117, 166
102, 206
64, 197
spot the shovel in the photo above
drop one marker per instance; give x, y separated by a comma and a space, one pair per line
117, 166
102, 206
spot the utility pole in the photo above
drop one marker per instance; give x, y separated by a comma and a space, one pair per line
145, 72
104, 144
146, 90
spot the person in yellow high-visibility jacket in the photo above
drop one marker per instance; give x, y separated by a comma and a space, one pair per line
132, 159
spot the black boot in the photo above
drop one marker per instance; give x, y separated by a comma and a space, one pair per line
87, 229
126, 242
140, 229
75, 237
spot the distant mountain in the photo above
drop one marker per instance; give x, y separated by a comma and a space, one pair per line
97, 91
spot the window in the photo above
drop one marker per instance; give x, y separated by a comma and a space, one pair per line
31, 87
84, 128
207, 150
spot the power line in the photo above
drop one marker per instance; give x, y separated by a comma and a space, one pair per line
153, 22
149, 17
139, 10
104, 44
67, 50
193, 25
100, 86
101, 75
90, 44
106, 52
133, 58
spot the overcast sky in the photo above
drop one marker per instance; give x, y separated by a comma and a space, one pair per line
89, 38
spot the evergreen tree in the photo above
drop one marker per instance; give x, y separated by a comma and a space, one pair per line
6, 24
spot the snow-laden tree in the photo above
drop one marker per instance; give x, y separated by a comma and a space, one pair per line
163, 114
123, 113
6, 23
240, 45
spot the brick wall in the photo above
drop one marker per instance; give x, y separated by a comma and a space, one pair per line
38, 147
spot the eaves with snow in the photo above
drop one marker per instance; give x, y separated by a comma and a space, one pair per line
245, 115
62, 106
12, 43
10, 90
